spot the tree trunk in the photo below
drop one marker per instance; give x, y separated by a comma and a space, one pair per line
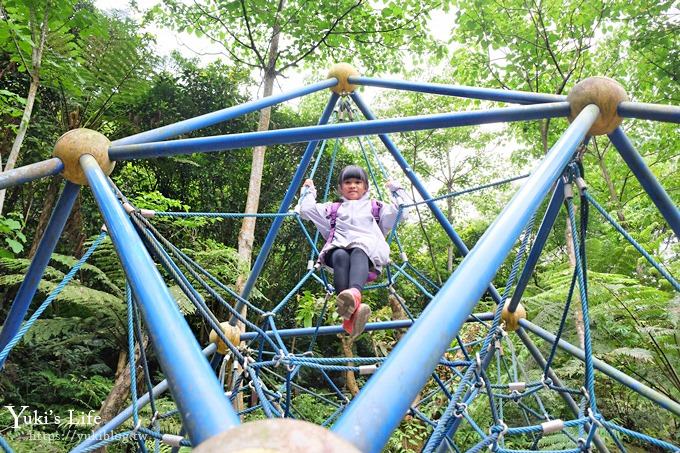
576, 303
36, 60
350, 380
397, 314
246, 235
48, 206
613, 196
120, 391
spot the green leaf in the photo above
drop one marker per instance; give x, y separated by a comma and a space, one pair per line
16, 246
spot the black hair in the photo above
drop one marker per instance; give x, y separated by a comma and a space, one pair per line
352, 171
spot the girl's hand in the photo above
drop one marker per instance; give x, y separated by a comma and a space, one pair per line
393, 186
308, 183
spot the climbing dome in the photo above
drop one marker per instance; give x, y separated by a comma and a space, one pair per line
452, 366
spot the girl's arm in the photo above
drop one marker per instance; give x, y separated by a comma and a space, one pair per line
389, 211
311, 210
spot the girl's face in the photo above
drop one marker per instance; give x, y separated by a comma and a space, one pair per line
353, 188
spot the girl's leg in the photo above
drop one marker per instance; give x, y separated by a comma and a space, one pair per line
340, 262
358, 269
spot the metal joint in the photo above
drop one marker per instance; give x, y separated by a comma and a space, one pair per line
592, 417
367, 369
568, 191
546, 381
581, 184
517, 386
459, 410
172, 439
552, 426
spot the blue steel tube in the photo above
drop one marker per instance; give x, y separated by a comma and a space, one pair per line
205, 410
209, 119
305, 134
647, 180
658, 112
377, 410
487, 94
42, 257
103, 432
408, 171
28, 173
285, 204
333, 330
536, 250
623, 378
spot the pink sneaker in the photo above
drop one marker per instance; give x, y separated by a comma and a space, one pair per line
357, 322
347, 302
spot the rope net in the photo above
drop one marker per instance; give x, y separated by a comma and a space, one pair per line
493, 388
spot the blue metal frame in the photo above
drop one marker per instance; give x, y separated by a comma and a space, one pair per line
487, 94
375, 412
536, 249
657, 112
623, 378
28, 173
647, 180
285, 204
333, 330
209, 119
205, 410
353, 129
29, 286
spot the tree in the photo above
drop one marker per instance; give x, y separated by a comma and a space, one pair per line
273, 37
38, 34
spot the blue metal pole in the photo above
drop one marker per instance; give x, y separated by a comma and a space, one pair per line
204, 409
536, 250
28, 173
102, 433
609, 370
333, 330
647, 180
209, 119
304, 134
285, 204
37, 267
420, 187
657, 112
377, 410
488, 94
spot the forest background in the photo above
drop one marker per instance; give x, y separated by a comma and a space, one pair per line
68, 64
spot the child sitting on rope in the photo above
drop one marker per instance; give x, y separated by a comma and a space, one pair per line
354, 227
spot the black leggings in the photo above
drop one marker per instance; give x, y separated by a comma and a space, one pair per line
350, 268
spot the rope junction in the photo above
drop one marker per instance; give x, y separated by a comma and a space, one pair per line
481, 389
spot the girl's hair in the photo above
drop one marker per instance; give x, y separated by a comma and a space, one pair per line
353, 171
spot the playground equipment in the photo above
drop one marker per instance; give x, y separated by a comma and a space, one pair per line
266, 368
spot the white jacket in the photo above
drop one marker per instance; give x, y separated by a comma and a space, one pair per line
354, 226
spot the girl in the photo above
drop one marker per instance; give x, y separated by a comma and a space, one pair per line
354, 228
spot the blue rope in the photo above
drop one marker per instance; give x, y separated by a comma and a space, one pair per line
53, 295
223, 215
131, 355
642, 437
667, 275
588, 347
470, 190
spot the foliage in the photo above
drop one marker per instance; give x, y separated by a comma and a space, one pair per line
11, 231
